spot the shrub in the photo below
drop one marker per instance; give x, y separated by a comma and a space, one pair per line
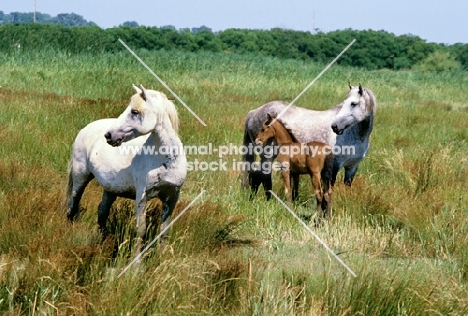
438, 61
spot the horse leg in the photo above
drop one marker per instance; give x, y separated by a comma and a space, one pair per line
248, 159
255, 179
267, 185
327, 199
295, 186
79, 183
317, 184
140, 203
287, 184
104, 210
265, 175
349, 174
327, 175
167, 209
336, 168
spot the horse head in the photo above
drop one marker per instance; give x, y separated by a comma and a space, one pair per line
358, 105
267, 131
147, 108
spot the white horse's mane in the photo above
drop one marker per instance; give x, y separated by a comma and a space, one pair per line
169, 107
164, 106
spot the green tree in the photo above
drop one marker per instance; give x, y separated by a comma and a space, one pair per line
186, 40
130, 24
461, 53
71, 19
265, 42
232, 39
372, 50
206, 40
438, 61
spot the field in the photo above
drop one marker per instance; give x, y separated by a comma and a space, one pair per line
402, 227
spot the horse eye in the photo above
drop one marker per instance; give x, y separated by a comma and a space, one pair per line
353, 104
135, 112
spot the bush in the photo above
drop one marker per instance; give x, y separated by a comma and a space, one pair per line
438, 61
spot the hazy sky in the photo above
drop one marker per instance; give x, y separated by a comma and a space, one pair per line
433, 20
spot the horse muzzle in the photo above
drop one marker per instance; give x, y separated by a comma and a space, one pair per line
110, 141
336, 130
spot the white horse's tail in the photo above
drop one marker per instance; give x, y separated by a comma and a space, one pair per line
68, 190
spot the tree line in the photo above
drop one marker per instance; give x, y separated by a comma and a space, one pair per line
67, 19
372, 49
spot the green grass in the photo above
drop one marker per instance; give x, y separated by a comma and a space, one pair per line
402, 226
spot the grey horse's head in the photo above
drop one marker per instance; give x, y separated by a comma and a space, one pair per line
358, 105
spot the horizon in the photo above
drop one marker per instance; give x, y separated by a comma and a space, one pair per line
317, 30
435, 22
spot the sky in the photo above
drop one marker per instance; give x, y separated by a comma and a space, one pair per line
433, 20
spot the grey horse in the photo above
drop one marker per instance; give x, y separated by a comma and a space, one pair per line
346, 127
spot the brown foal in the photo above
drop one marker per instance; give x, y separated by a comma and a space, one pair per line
313, 158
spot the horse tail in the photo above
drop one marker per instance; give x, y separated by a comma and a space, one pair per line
68, 190
248, 157
327, 171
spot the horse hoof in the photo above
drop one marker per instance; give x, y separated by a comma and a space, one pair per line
318, 222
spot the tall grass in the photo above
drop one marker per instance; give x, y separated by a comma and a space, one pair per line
402, 226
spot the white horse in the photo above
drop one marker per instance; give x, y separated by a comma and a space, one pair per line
353, 124
346, 125
150, 121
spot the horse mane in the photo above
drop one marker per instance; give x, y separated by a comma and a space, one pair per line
288, 130
294, 139
291, 134
369, 96
164, 106
167, 106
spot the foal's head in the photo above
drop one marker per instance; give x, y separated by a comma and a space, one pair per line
267, 132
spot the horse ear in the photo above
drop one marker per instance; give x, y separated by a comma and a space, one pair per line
143, 92
271, 117
137, 90
349, 85
360, 90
